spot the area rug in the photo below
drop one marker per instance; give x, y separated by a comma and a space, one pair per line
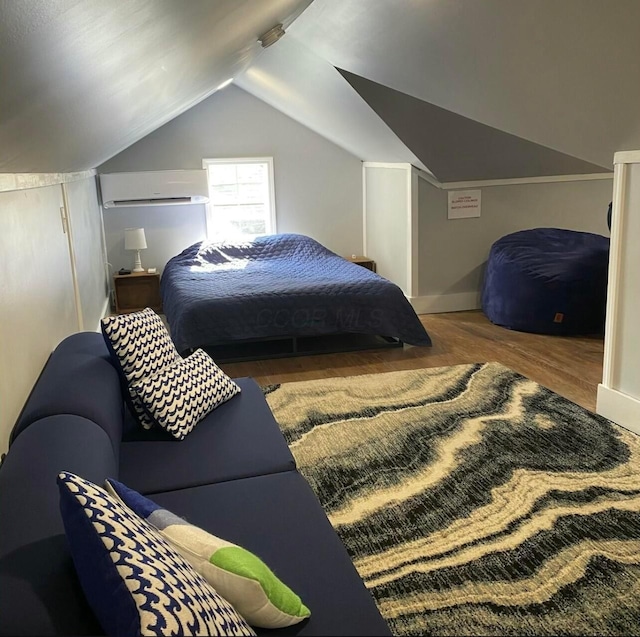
472, 500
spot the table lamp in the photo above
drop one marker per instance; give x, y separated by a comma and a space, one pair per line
134, 239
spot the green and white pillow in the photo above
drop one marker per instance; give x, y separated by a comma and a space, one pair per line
136, 583
238, 575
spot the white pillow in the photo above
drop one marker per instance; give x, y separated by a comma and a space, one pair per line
183, 393
140, 346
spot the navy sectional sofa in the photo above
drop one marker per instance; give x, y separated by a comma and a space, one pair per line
233, 475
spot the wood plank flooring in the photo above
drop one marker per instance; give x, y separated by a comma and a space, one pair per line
570, 366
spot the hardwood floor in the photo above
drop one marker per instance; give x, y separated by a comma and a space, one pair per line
570, 366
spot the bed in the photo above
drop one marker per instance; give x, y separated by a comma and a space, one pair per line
279, 286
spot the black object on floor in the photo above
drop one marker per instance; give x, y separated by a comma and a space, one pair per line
251, 350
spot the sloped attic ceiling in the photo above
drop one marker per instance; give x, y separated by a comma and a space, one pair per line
562, 75
457, 148
83, 79
307, 88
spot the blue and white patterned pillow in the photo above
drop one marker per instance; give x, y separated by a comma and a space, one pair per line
134, 581
141, 346
182, 394
241, 577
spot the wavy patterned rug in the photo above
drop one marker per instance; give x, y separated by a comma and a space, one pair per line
473, 501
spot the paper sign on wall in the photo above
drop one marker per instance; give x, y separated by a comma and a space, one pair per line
464, 203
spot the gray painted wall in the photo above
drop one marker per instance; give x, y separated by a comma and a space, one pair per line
453, 252
318, 186
37, 301
168, 230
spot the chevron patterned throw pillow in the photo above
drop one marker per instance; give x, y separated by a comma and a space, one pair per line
183, 393
136, 583
140, 346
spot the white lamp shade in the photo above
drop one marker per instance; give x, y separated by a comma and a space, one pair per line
134, 239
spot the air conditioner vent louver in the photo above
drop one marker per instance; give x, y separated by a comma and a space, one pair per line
157, 201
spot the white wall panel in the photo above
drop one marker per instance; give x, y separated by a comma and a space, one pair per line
37, 303
626, 355
387, 200
619, 392
86, 230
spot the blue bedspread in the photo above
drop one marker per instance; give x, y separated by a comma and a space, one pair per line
280, 285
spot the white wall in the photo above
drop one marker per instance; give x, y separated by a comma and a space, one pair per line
453, 253
37, 299
85, 220
626, 368
386, 195
318, 186
619, 392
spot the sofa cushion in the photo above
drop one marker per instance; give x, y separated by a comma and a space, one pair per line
239, 439
238, 575
140, 346
135, 582
39, 589
279, 518
78, 379
179, 396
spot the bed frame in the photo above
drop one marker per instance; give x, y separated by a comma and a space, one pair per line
283, 347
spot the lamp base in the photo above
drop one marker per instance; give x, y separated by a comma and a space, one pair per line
137, 266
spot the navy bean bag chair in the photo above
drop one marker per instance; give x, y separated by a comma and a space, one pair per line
547, 281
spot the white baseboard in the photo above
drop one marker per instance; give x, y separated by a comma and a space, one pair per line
619, 407
445, 302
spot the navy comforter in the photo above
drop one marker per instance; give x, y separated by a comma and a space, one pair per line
281, 285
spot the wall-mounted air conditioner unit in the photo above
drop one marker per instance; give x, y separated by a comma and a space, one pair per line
154, 188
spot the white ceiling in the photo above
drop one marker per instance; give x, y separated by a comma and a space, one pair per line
83, 79
562, 73
307, 88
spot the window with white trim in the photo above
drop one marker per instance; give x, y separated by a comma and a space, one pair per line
241, 198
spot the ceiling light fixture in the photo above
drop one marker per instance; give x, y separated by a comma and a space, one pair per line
271, 36
225, 83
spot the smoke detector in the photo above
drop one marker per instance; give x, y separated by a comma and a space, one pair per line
271, 36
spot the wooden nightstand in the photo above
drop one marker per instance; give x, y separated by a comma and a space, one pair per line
365, 262
136, 291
